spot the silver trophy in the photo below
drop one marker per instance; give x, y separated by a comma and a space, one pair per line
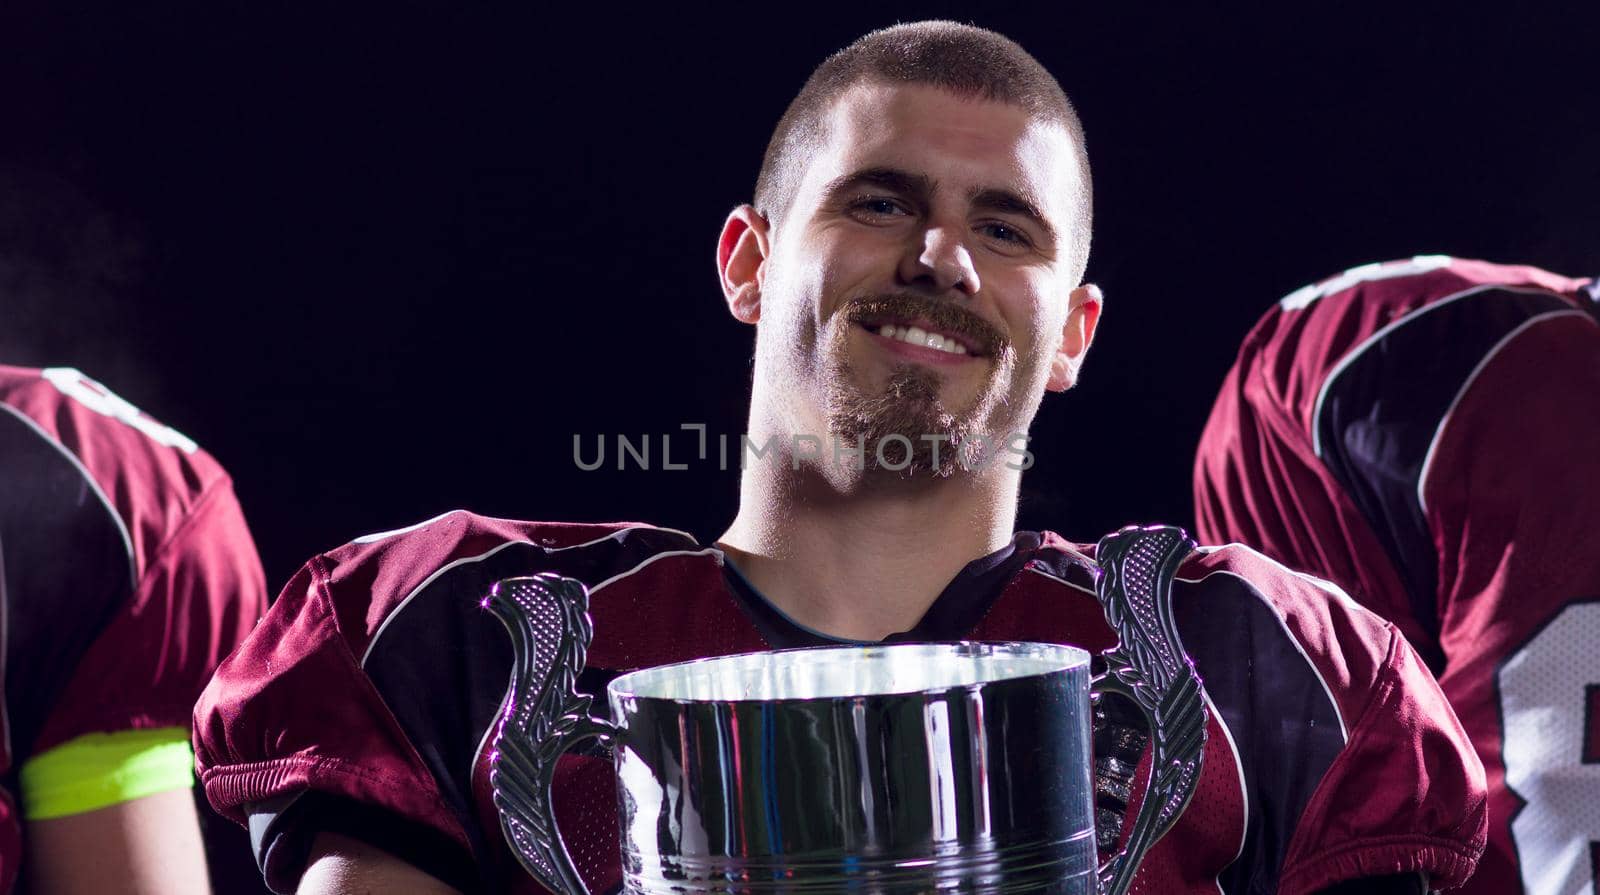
906, 768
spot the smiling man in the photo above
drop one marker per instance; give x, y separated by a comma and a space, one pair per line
912, 267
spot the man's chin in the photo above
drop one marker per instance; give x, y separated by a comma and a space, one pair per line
902, 422
897, 447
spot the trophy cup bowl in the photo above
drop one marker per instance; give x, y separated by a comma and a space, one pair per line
904, 768
898, 768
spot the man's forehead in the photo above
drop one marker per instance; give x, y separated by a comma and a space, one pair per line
960, 142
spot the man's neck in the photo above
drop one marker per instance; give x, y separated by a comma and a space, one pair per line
864, 559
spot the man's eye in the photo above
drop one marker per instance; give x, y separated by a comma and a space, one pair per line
1005, 233
878, 206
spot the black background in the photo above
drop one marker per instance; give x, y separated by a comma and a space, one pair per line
385, 261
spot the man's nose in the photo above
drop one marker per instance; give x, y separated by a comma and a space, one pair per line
939, 261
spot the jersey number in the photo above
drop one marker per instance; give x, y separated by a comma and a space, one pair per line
1552, 751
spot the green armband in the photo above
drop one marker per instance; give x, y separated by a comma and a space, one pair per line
101, 769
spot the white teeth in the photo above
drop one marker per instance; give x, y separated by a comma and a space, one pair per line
918, 336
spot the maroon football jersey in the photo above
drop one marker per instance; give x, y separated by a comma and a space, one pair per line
126, 572
364, 704
1427, 434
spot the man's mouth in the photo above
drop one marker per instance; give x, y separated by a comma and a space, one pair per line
926, 334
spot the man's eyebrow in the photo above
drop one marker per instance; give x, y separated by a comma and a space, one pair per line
894, 180
1008, 202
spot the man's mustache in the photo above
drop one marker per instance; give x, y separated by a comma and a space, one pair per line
899, 307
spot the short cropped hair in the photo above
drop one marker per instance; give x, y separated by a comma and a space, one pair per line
965, 60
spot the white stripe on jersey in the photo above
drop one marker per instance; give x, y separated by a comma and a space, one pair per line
1369, 341
385, 535
483, 556
1433, 444
105, 402
1366, 273
401, 607
94, 487
1244, 790
1283, 623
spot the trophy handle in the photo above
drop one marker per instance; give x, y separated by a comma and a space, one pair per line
544, 716
1149, 667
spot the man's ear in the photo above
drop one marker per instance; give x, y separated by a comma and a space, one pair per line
741, 261
1083, 315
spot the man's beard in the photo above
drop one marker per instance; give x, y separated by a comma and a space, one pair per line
905, 428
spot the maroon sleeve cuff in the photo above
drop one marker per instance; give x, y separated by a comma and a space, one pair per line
1446, 864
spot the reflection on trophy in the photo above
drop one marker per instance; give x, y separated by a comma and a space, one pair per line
902, 768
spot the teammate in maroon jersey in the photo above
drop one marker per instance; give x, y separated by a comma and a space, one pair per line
126, 574
1427, 434
912, 265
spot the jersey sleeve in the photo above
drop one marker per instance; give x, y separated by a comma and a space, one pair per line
292, 717
363, 702
200, 594
1405, 792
